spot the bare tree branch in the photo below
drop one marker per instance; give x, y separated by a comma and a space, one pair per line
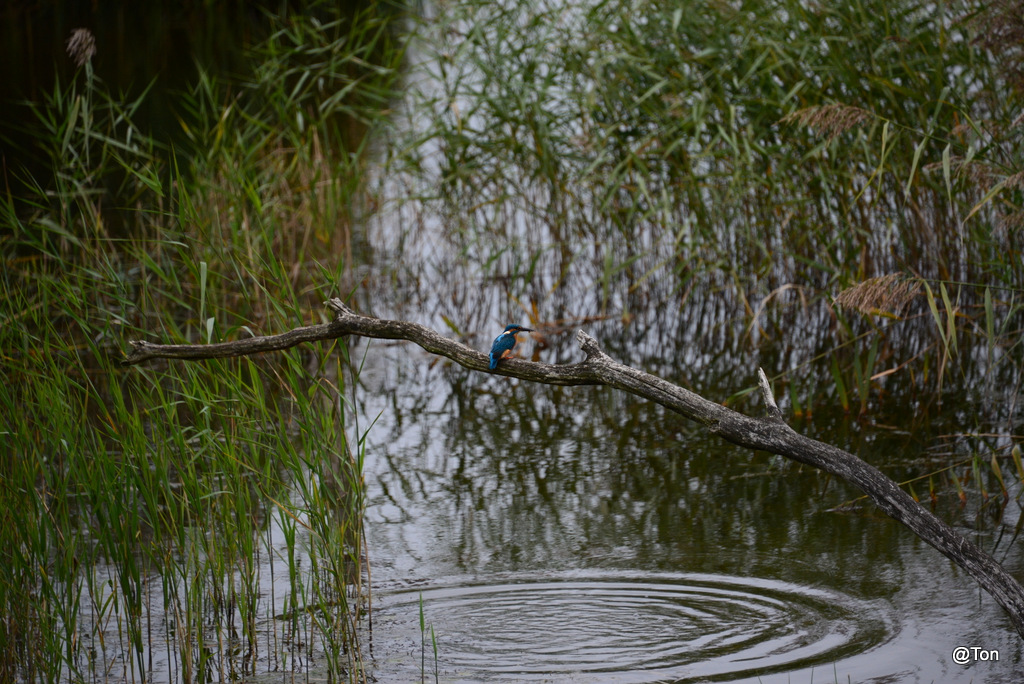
769, 433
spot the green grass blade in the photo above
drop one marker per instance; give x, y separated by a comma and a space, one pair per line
918, 149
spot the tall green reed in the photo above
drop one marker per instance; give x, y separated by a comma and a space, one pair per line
715, 176
141, 507
749, 148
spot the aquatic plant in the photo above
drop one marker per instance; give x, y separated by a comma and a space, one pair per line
614, 158
187, 523
704, 182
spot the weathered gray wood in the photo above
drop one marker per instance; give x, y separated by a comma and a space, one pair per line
769, 433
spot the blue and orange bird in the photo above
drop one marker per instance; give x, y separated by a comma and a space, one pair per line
505, 342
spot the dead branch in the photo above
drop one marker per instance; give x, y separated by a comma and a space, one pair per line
768, 433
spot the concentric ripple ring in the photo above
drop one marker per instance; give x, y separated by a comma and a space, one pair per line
640, 626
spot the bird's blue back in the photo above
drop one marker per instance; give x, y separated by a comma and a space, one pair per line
504, 342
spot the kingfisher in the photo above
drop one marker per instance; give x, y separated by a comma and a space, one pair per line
505, 342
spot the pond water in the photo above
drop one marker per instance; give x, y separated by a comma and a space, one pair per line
553, 534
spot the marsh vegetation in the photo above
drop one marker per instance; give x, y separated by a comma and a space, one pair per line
187, 523
831, 193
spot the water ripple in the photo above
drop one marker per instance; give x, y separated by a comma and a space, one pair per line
636, 626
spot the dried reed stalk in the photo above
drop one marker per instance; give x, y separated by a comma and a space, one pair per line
886, 295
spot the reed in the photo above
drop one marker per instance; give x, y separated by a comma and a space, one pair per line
708, 182
727, 154
143, 510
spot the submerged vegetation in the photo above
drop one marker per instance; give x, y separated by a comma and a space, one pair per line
834, 193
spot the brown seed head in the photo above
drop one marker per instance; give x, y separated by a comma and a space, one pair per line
81, 46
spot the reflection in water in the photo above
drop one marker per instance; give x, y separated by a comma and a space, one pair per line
600, 515
635, 626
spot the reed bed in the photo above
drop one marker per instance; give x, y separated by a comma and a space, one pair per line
722, 174
700, 183
742, 151
176, 522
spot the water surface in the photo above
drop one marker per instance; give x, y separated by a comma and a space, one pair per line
580, 535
